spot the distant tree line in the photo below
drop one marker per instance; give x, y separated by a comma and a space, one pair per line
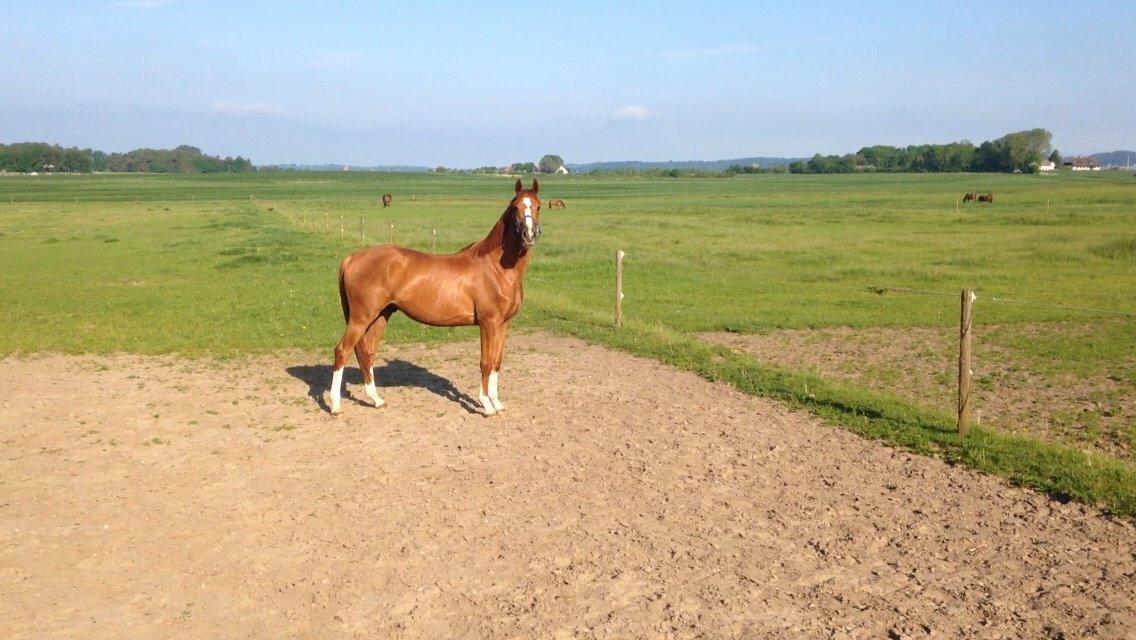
1018, 151
26, 157
548, 163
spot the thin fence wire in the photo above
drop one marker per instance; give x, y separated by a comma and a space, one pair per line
1049, 305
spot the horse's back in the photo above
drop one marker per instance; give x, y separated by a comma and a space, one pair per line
431, 289
390, 262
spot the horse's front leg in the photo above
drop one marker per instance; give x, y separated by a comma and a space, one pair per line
492, 339
498, 354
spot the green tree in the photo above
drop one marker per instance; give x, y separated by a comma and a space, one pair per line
1055, 157
1018, 151
550, 163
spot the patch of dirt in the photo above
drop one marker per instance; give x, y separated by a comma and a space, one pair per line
617, 497
920, 364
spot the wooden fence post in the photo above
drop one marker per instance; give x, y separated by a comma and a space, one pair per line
964, 371
434, 243
392, 233
619, 288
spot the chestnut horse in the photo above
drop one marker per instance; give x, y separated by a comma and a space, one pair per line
481, 284
987, 198
970, 197
556, 203
386, 199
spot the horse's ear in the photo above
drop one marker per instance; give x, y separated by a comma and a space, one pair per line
536, 186
519, 186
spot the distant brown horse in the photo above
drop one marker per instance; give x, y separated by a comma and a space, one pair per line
386, 199
986, 198
556, 203
970, 197
481, 284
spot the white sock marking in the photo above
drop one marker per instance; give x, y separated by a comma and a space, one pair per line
487, 405
336, 383
493, 392
486, 401
372, 393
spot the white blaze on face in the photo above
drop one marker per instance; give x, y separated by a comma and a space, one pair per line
528, 216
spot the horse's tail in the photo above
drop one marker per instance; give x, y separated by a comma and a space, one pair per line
343, 290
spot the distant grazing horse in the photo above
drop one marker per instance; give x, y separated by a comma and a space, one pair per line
986, 198
970, 197
556, 203
386, 199
481, 284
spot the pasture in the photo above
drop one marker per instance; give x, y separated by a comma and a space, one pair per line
196, 316
193, 265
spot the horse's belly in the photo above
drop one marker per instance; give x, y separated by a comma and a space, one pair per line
437, 309
439, 317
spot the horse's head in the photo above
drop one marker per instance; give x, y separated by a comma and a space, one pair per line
526, 213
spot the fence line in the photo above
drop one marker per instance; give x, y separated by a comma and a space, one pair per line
1062, 306
883, 290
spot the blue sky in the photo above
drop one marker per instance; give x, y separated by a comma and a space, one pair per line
462, 85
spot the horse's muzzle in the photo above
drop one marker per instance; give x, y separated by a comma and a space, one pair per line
528, 240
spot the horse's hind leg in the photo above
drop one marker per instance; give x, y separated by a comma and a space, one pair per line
355, 330
365, 352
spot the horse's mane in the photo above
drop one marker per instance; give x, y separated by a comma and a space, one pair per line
496, 238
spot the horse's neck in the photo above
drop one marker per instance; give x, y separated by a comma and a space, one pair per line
502, 248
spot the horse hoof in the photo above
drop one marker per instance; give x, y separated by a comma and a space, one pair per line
378, 402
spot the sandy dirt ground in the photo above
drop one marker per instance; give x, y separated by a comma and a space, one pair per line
1091, 412
169, 498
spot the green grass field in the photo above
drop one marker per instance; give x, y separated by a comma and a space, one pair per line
231, 264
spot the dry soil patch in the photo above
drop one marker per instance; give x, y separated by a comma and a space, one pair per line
617, 497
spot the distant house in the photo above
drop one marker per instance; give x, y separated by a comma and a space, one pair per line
1083, 163
1046, 165
563, 169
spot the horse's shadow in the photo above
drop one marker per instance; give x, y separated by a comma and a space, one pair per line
395, 373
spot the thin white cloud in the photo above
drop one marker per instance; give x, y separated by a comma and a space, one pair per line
333, 60
244, 109
631, 113
139, 4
